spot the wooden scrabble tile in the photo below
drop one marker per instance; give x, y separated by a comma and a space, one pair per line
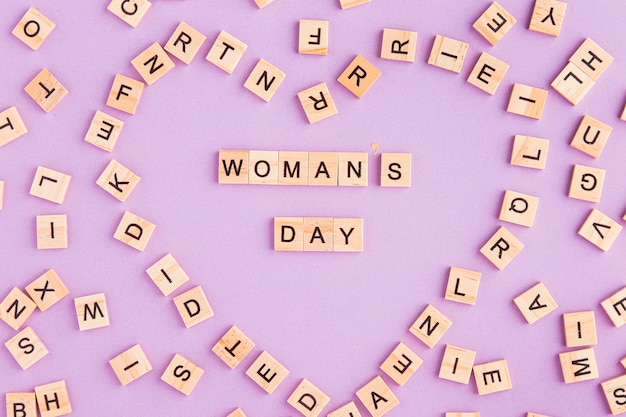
50, 185
233, 347
457, 364
134, 231
46, 90
448, 53
26, 348
104, 131
494, 23
53, 399
167, 274
612, 307
462, 414
21, 404
395, 169
226, 52
548, 17
16, 308
535, 303
377, 397
237, 413
323, 168
462, 285
264, 80
289, 234
118, 180
92, 312
591, 136
353, 167
125, 94
346, 4
501, 248
34, 28
578, 365
130, 12
307, 399
182, 374
11, 126
52, 231
492, 377
317, 103
529, 152
347, 410
572, 83
621, 117
359, 76
293, 168
614, 392
152, 63
233, 167
262, 3
430, 326
347, 235
47, 290
313, 37
519, 208
398, 45
185, 42
600, 230
623, 362
318, 234
527, 101
586, 183
580, 329
193, 307
535, 415
130, 365
488, 73
267, 372
401, 364
591, 59
263, 167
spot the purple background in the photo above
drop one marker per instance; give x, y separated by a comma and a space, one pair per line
329, 317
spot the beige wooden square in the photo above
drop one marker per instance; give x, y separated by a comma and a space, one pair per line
264, 80
323, 168
401, 364
16, 308
167, 274
591, 136
293, 168
527, 101
233, 347
529, 152
118, 180
11, 126
353, 169
289, 234
488, 73
462, 285
501, 248
398, 45
535, 303
346, 410
586, 183
579, 365
623, 361
548, 17
377, 397
359, 76
104, 131
621, 117
50, 185
492, 377
462, 414
152, 63
611, 306
318, 234
262, 3
535, 415
21, 404
347, 4
129, 12
580, 329
267, 372
182, 374
237, 413
600, 230
92, 312
193, 307
494, 23
263, 167
313, 37
26, 348
317, 103
307, 399
125, 94
33, 28
614, 390
53, 399
134, 231
130, 365
457, 364
395, 169
46, 90
226, 52
233, 167
519, 208
52, 231
430, 326
347, 235
185, 42
47, 290
448, 53
572, 83
591, 59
